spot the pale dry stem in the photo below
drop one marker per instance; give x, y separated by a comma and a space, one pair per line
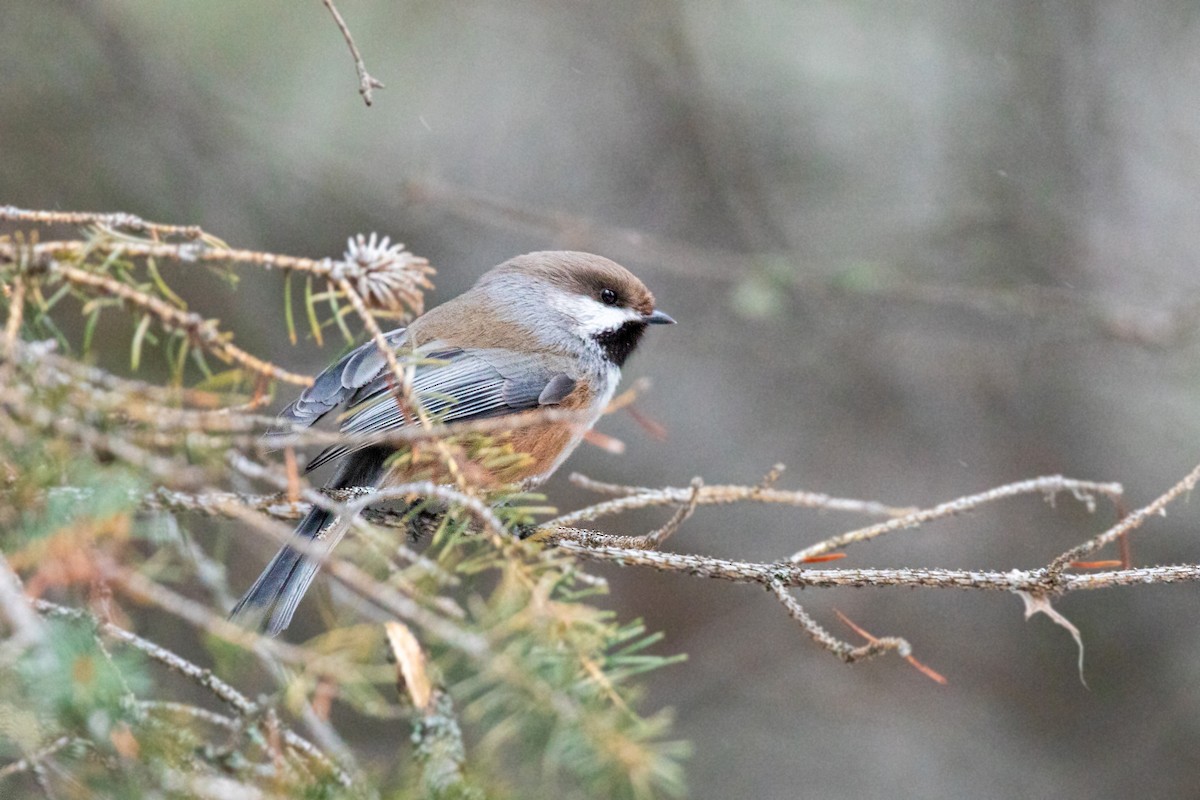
110, 220
365, 81
1049, 485
640, 497
1129, 523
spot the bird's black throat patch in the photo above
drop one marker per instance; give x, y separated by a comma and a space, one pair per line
618, 343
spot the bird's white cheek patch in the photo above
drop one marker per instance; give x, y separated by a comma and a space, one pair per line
591, 316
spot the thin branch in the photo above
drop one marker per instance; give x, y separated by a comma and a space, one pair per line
35, 758
365, 82
113, 220
649, 541
1049, 485
589, 538
1129, 523
200, 330
656, 537
603, 487
277, 505
195, 712
874, 640
842, 649
19, 404
360, 583
202, 677
1038, 581
184, 252
402, 377
721, 495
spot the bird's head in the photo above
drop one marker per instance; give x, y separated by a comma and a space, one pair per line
569, 295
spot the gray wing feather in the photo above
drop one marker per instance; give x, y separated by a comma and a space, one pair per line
556, 390
337, 384
453, 384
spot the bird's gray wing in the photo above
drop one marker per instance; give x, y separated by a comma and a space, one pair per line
454, 384
337, 384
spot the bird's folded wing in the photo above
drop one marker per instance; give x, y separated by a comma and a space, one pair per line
336, 384
451, 384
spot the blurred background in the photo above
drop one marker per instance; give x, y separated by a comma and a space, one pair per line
915, 250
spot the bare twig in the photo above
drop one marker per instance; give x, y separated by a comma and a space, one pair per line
603, 487
1129, 523
656, 537
365, 82
1050, 486
217, 503
200, 676
721, 495
360, 583
195, 712
112, 220
789, 574
924, 670
33, 759
650, 541
45, 253
201, 331
843, 650
590, 539
402, 377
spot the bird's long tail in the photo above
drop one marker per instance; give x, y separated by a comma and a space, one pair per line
271, 602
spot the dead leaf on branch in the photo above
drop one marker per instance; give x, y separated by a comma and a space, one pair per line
1040, 604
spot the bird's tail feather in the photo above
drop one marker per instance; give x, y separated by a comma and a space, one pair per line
271, 602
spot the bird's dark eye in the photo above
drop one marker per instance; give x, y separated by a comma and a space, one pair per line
608, 297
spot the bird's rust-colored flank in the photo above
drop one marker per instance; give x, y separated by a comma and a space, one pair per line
533, 451
544, 444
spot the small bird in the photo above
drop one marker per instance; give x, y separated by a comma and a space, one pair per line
547, 329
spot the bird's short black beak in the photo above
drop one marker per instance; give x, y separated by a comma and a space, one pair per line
658, 318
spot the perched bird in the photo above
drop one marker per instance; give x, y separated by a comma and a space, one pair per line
543, 329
